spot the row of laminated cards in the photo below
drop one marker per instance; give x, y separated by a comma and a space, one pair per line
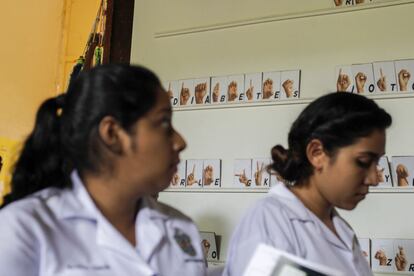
389, 255
350, 3
399, 172
248, 173
254, 173
376, 77
197, 173
243, 88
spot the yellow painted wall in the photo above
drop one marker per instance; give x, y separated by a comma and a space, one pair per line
29, 51
40, 41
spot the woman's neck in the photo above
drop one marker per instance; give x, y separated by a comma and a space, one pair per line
120, 209
310, 196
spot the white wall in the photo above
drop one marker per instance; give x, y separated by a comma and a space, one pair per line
193, 38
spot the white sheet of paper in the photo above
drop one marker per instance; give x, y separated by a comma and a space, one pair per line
269, 261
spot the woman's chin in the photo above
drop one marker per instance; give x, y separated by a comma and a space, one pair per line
348, 205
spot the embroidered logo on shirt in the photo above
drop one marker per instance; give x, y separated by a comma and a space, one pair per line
184, 242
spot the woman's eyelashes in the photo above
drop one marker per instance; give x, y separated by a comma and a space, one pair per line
364, 163
367, 162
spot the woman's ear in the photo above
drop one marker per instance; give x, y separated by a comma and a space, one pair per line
113, 136
316, 154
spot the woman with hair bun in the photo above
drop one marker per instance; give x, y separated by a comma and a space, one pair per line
331, 161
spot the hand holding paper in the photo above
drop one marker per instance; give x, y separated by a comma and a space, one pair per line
269, 261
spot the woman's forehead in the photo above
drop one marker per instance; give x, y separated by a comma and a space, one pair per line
373, 144
162, 103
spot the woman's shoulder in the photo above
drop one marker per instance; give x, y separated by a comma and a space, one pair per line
278, 203
274, 216
160, 209
32, 205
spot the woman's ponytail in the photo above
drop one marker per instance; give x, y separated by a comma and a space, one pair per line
40, 163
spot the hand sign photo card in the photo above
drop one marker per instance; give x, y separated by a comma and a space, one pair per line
382, 255
363, 77
404, 255
218, 90
290, 84
172, 88
260, 175
344, 79
212, 173
235, 89
194, 173
384, 75
209, 245
253, 87
271, 85
384, 173
403, 171
186, 95
242, 173
404, 70
201, 91
178, 179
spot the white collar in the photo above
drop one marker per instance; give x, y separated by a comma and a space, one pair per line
76, 201
294, 207
296, 210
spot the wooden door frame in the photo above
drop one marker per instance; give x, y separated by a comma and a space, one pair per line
118, 31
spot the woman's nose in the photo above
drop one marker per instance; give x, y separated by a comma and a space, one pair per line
179, 143
372, 178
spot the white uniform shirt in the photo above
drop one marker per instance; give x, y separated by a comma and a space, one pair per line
281, 220
60, 232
